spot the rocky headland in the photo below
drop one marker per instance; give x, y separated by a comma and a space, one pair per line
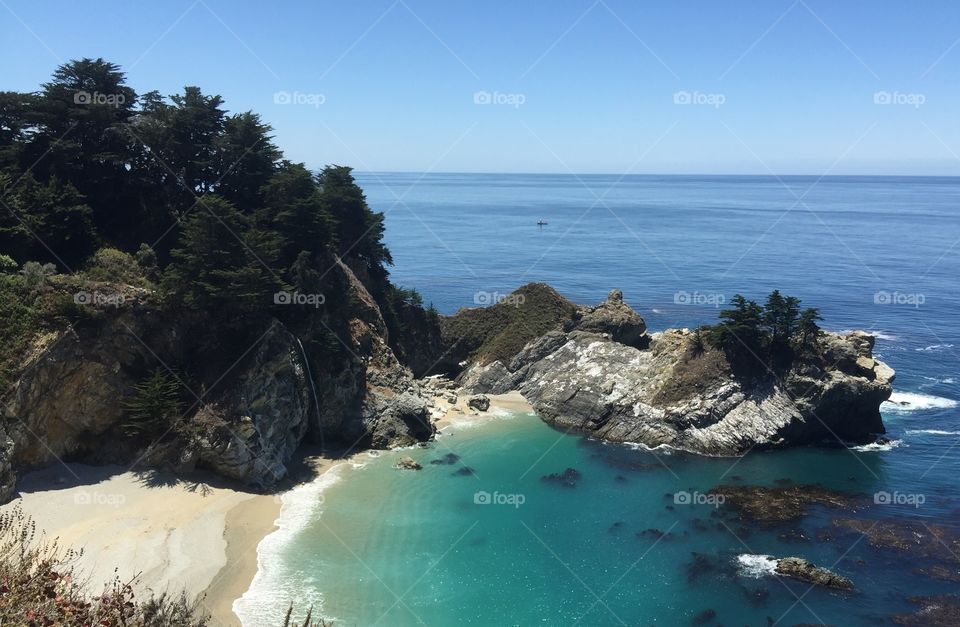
599, 371
343, 377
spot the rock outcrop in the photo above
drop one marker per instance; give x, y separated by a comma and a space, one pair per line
799, 568
253, 398
599, 376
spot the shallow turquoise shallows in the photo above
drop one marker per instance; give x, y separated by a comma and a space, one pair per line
504, 546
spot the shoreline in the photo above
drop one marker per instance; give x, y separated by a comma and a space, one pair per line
197, 533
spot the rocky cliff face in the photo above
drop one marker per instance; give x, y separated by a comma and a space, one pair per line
253, 400
602, 374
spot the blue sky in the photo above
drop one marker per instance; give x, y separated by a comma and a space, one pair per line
773, 86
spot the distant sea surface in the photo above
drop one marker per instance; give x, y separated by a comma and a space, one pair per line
371, 545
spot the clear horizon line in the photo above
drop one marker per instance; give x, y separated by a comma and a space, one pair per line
675, 174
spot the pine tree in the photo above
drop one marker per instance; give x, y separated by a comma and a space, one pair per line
154, 407
222, 265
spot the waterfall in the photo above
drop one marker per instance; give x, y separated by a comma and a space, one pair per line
313, 389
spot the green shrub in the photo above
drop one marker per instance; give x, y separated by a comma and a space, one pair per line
115, 266
7, 264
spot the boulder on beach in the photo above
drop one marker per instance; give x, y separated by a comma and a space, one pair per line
480, 402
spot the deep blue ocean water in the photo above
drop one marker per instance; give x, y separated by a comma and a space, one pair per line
877, 253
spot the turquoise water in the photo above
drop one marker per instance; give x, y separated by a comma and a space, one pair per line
374, 545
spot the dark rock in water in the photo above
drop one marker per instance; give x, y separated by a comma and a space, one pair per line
615, 527
668, 507
447, 460
408, 463
938, 545
655, 533
736, 478
704, 617
699, 524
783, 481
620, 479
465, 471
568, 478
700, 565
779, 504
935, 611
942, 573
801, 569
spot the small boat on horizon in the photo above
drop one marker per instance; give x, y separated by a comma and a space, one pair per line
542, 223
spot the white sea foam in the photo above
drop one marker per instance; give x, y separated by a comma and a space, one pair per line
934, 347
880, 335
931, 432
905, 402
876, 446
756, 566
300, 506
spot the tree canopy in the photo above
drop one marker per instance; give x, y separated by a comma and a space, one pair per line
87, 162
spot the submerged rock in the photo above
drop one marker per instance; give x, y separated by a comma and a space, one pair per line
935, 611
801, 569
568, 478
780, 504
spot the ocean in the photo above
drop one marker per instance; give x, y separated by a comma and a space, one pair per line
369, 545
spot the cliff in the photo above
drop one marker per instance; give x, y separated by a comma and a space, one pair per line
601, 373
252, 393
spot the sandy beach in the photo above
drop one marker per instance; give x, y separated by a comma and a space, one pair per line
198, 534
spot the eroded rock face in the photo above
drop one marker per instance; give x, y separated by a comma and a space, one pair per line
666, 395
255, 410
265, 413
615, 318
